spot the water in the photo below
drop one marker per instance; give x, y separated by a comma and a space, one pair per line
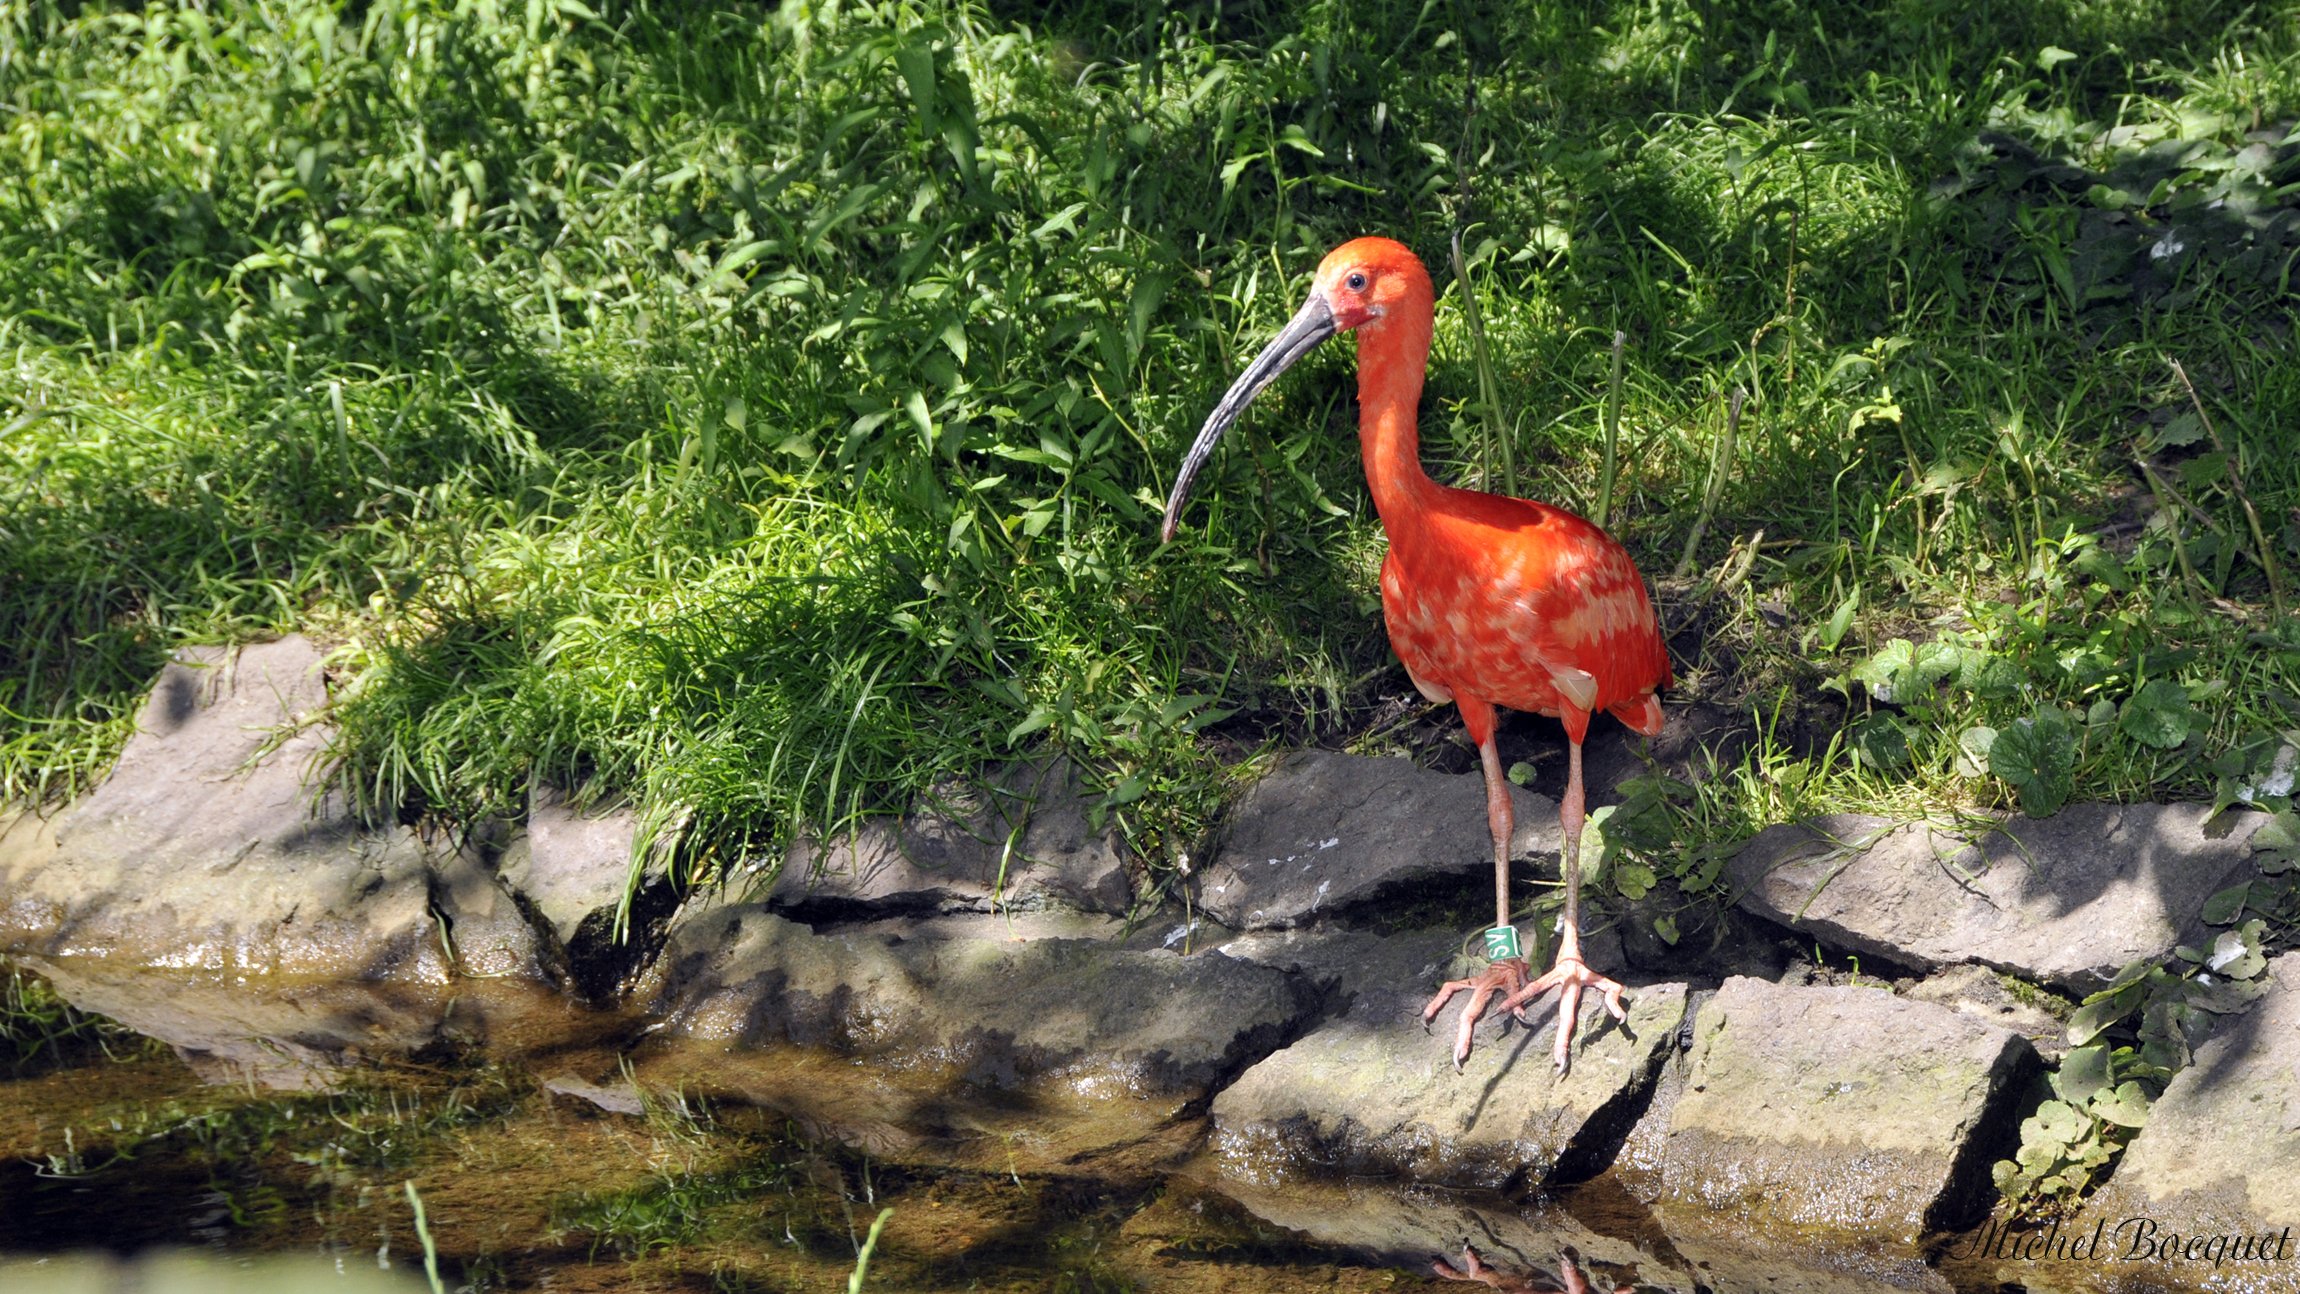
556, 1149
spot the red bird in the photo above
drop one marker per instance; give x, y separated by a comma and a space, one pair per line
1490, 601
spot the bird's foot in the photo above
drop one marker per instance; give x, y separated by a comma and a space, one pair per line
1569, 976
1505, 977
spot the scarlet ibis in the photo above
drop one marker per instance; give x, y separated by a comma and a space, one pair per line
1490, 601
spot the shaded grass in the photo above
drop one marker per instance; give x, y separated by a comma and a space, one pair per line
767, 414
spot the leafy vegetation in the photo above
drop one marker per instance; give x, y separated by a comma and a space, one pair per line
2131, 1037
766, 413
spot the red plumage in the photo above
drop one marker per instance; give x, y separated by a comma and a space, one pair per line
1490, 601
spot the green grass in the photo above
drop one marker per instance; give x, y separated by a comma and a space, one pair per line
768, 414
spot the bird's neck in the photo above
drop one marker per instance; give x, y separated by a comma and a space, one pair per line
1392, 357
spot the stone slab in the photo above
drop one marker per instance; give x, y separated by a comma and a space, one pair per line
569, 868
1326, 831
1022, 838
1374, 1092
1845, 1112
2066, 900
210, 848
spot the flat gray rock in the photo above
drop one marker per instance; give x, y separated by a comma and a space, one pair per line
996, 1011
208, 848
1373, 1092
1021, 839
2068, 900
1844, 1112
2221, 1152
1326, 831
569, 867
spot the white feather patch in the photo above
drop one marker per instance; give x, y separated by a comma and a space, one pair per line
1576, 685
1432, 690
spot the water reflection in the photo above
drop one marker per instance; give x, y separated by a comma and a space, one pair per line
1474, 1269
531, 1115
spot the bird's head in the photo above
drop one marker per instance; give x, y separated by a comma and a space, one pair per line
1369, 283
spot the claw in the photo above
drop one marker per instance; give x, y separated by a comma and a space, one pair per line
1501, 978
1569, 976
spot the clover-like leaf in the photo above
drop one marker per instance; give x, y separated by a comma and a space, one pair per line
2158, 714
2126, 1107
1634, 879
2057, 1122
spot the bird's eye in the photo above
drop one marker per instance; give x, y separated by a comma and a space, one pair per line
1357, 282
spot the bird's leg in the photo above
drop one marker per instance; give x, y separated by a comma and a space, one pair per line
1570, 975
1507, 972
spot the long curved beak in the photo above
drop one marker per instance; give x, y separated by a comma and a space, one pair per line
1311, 324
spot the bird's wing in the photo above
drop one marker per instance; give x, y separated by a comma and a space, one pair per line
1592, 626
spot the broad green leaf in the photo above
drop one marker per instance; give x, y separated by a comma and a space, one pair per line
2181, 429
2132, 974
1840, 620
1987, 675
2096, 1015
2082, 1072
2206, 469
1902, 672
2227, 905
2038, 757
1595, 847
2276, 846
1666, 927
2236, 953
2158, 714
2221, 997
1881, 741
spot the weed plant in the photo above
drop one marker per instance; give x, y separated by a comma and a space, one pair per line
767, 413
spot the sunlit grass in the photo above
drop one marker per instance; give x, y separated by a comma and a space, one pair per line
767, 414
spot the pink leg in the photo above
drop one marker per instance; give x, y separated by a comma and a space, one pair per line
1570, 976
1508, 976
